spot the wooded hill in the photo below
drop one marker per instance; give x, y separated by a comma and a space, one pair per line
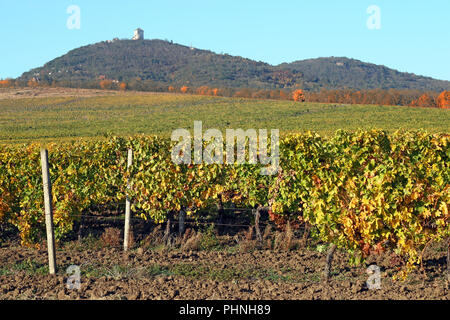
167, 63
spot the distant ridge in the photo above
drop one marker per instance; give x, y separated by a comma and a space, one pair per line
168, 63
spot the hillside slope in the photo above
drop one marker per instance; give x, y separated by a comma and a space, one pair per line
340, 72
168, 63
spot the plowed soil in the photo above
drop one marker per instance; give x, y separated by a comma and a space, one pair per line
109, 273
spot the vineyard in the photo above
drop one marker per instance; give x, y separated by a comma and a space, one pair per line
364, 192
57, 115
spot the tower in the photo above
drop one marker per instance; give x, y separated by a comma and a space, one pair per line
138, 34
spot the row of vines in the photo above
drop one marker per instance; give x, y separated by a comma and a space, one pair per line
363, 191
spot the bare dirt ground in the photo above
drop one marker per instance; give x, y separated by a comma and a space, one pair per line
58, 92
229, 274
17, 93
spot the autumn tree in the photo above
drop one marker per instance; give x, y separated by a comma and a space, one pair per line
7, 83
260, 94
424, 101
184, 89
243, 93
203, 90
274, 94
284, 95
123, 86
374, 96
106, 84
298, 95
32, 83
443, 100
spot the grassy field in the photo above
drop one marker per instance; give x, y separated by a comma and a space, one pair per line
66, 117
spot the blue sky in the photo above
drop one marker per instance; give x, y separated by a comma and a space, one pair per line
414, 35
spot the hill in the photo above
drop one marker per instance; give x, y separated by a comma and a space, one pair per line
338, 73
168, 63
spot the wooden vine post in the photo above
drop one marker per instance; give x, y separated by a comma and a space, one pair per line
257, 214
48, 212
181, 219
221, 213
167, 233
126, 233
329, 261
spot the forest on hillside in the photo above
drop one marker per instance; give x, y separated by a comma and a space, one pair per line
163, 63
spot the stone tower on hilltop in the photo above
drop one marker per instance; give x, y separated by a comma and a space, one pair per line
138, 34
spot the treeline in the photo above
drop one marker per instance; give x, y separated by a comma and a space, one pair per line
392, 97
153, 86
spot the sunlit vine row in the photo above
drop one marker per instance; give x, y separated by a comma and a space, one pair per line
366, 192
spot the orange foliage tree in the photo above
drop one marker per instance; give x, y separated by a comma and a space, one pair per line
243, 93
443, 100
106, 84
372, 96
123, 86
32, 83
204, 90
298, 95
184, 89
6, 83
424, 101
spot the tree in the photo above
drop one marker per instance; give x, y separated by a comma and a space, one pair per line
298, 95
443, 100
6, 83
424, 101
32, 83
123, 86
243, 93
106, 84
284, 95
204, 90
184, 89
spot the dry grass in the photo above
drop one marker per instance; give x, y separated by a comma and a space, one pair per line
247, 243
111, 237
246, 240
288, 243
16, 93
282, 240
192, 240
155, 238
